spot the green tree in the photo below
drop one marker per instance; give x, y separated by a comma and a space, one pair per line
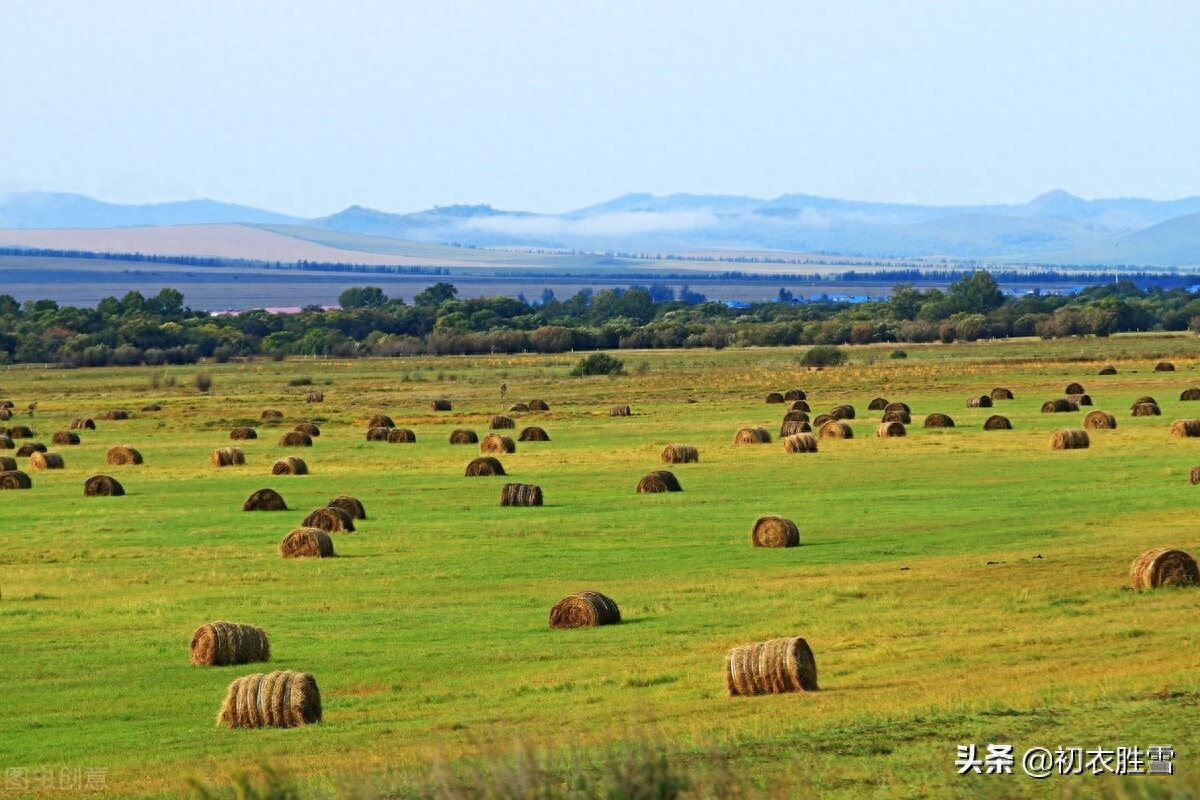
435, 295
362, 297
977, 293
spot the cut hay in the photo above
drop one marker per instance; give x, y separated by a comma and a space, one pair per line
14, 479
121, 455
7, 404
897, 406
800, 405
903, 417
282, 699
1001, 393
378, 434
5, 414
500, 422
792, 427
1194, 477
1058, 406
227, 457
242, 434
1069, 439
584, 610
680, 454
219, 644
519, 408
65, 437
1185, 428
773, 531
979, 401
538, 405
464, 436
752, 435
835, 430
484, 466
997, 422
843, 411
306, 543
103, 486
878, 404
381, 421
495, 443
441, 404
1163, 567
5, 442
1144, 399
264, 500
533, 434
351, 505
771, 667
1108, 369
794, 394
619, 411
117, 415
20, 432
271, 414
520, 494
890, 430
83, 423
659, 481
401, 436
315, 397
7, 463
775, 397
330, 520
1099, 420
1074, 388
152, 407
1146, 410
295, 439
795, 416
800, 443
29, 448
45, 460
1080, 399
939, 421
309, 428
289, 465
1164, 366
1189, 394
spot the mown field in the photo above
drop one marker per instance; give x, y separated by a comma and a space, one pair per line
956, 586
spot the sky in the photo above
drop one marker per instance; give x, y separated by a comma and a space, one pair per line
308, 107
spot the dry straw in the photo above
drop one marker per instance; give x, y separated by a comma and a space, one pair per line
401, 436
315, 397
6, 443
773, 531
519, 407
102, 486
1058, 406
495, 443
272, 413
890, 430
295, 439
878, 404
29, 448
997, 422
584, 610
289, 465
1069, 439
792, 427
775, 397
484, 466
680, 454
800, 443
903, 417
228, 457
330, 520
264, 500
979, 401
520, 494
1080, 399
306, 543
309, 428
20, 432
218, 644
282, 699
378, 434
1195, 476
5, 414
1185, 428
800, 405
771, 667
533, 434
897, 406
1099, 420
843, 411
939, 421
7, 463
152, 407
752, 435
1108, 369
6, 403
243, 433
14, 479
1001, 393
835, 430
65, 437
1163, 567
1146, 410
45, 460
464, 436
1190, 394
117, 415
1145, 399
351, 505
501, 422
619, 411
795, 394
122, 455
796, 416
442, 404
1074, 388
81, 424
538, 405
1164, 366
381, 421
659, 481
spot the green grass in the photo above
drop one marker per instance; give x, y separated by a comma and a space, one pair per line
955, 585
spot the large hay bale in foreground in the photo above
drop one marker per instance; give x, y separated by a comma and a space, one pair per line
282, 699
351, 505
330, 520
1164, 566
495, 443
14, 479
903, 417
378, 434
29, 448
1074, 388
309, 428
401, 436
242, 433
1058, 406
83, 424
518, 408
289, 465
939, 421
1185, 428
800, 405
878, 404
520, 494
1001, 393
538, 405
1069, 439
533, 434
897, 406
1080, 399
1164, 366
121, 455
219, 644
620, 411
979, 401
264, 500
659, 481
792, 427
1146, 410
680, 454
775, 397
795, 394
771, 667
227, 457
7, 463
442, 404
774, 531
752, 435
1189, 394
484, 466
584, 610
890, 430
835, 430
381, 421
117, 415
306, 543
800, 443
1099, 420
464, 436
295, 439
499, 422
843, 411
103, 486
315, 397
272, 414
1108, 369
997, 422
65, 437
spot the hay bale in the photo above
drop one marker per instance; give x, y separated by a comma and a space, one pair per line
1058, 406
1164, 566
5, 415
5, 442
520, 494
401, 436
752, 435
843, 411
83, 423
801, 442
219, 644
289, 465
794, 394
584, 610
14, 479
441, 404
6, 403
1144, 399
484, 466
800, 405
538, 405
381, 421
378, 434
500, 422
890, 430
309, 428
152, 407
659, 481
1108, 369
1069, 439
1146, 410
29, 448
773, 531
1001, 393
1189, 394
495, 443
103, 486
1099, 420
295, 439
227, 457
1185, 428
1194, 478
519, 407
533, 434
315, 397
771, 667
795, 416
979, 401
619, 411
939, 421
7, 463
306, 543
272, 414
65, 437
45, 460
997, 422
330, 520
117, 415
464, 436
1080, 399
878, 404
1074, 388
243, 433
903, 417
264, 500
680, 454
351, 505
775, 397
835, 430
20, 432
792, 427
121, 455
1164, 366
896, 406
282, 699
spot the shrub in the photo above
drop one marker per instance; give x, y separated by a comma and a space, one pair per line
203, 381
898, 353
303, 380
599, 364
823, 355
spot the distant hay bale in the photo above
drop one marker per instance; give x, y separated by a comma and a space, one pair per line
1108, 369
997, 422
14, 479
500, 422
1080, 399
903, 417
401, 436
271, 414
533, 434
102, 486
1074, 388
800, 405
1194, 477
282, 699
83, 423
289, 465
45, 460
219, 644
843, 411
939, 421
378, 434
775, 397
242, 434
1099, 420
773, 531
295, 439
381, 421
264, 500
495, 443
659, 481
65, 437
441, 404
121, 455
835, 430
1164, 366
351, 505
518, 407
1058, 406
979, 401
484, 466
1185, 428
20, 432
896, 406
584, 610
309, 428
878, 404
1164, 566
7, 463
795, 416
1190, 394
538, 405
5, 414
330, 520
1001, 393
792, 427
752, 435
794, 394
306, 543
117, 415
800, 443
7, 404
152, 407
771, 667
1146, 410
619, 411
227, 457
520, 494
680, 454
315, 397
1069, 439
5, 442
29, 448
464, 436
890, 430
1144, 399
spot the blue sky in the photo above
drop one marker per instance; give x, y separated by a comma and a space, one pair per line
307, 107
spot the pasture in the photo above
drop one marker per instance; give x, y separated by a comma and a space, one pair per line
956, 585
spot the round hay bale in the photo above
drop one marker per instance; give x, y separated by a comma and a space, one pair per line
890, 430
14, 479
295, 439
519, 407
464, 436
801, 442
117, 415
1108, 369
939, 421
584, 610
1069, 439
5, 415
264, 500
533, 434
45, 460
120, 455
795, 416
773, 531
6, 403
219, 644
903, 417
5, 442
20, 432
495, 443
315, 397
330, 520
7, 463
1164, 566
1001, 393
484, 466
65, 437
306, 543
289, 465
1080, 399
378, 434
500, 422
835, 430
997, 422
441, 404
620, 411
1164, 366
1146, 410
792, 427
680, 454
771, 667
896, 406
1074, 388
243, 433
381, 421
1194, 477
282, 699
401, 436
29, 448
538, 405
794, 394
309, 428
843, 411
979, 401
1185, 428
659, 481
351, 505
1189, 394
520, 494
878, 404
227, 457
83, 423
1058, 406
800, 405
775, 397
1099, 420
1144, 399
103, 486
752, 435
272, 414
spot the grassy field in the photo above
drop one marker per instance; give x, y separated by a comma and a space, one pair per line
956, 586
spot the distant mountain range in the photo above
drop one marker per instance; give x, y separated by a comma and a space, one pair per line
1056, 228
